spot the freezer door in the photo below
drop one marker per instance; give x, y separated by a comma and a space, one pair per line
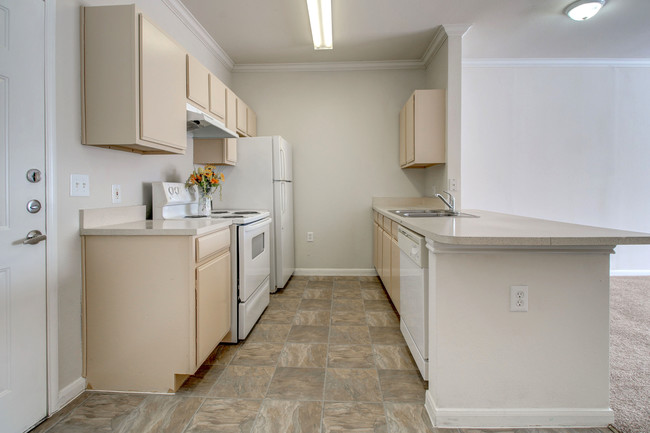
282, 160
284, 243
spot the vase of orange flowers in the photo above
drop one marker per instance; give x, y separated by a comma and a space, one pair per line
207, 181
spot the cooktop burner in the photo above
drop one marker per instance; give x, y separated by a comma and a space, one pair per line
214, 212
194, 216
246, 212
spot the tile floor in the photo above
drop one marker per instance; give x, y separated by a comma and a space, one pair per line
326, 356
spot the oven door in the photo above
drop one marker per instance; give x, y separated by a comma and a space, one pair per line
254, 250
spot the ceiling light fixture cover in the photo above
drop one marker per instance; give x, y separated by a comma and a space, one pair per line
584, 9
320, 19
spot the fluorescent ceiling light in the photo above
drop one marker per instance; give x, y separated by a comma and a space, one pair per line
320, 19
584, 9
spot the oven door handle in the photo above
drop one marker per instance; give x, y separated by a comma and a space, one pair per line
256, 225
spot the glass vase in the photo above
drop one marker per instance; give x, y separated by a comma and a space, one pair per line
205, 204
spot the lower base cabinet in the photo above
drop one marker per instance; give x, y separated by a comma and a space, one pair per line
386, 255
154, 308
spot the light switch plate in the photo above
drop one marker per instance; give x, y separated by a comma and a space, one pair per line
116, 193
79, 185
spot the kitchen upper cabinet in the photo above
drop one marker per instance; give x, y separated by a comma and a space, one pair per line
251, 122
246, 120
133, 83
218, 106
218, 151
422, 129
198, 84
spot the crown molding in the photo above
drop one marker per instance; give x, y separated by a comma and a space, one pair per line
330, 66
186, 17
438, 40
556, 63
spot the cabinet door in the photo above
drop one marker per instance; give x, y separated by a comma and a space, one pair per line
402, 136
162, 89
394, 273
197, 84
242, 110
380, 269
374, 244
409, 120
212, 305
251, 123
385, 261
217, 98
230, 157
231, 110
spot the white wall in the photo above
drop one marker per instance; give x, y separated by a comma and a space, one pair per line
563, 143
344, 129
105, 167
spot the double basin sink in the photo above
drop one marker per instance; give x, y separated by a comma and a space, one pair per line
429, 213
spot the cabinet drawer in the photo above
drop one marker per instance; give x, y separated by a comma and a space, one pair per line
210, 244
394, 229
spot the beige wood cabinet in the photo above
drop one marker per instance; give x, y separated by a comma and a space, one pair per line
154, 307
422, 129
218, 106
386, 256
132, 83
197, 84
251, 122
219, 151
242, 117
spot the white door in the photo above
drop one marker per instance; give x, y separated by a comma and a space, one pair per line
23, 380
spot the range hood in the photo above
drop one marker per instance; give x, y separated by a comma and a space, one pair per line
202, 125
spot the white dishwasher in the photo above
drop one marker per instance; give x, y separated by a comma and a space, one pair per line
414, 296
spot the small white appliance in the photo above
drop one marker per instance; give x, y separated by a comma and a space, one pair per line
414, 296
263, 178
250, 248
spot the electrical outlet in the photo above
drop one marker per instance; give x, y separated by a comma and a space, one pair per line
452, 185
79, 185
519, 298
116, 194
310, 236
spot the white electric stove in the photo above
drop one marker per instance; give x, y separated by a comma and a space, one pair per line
250, 247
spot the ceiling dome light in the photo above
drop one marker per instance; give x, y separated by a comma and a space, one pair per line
584, 9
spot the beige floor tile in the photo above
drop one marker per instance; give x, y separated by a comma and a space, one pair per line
386, 335
277, 316
297, 383
312, 317
161, 414
310, 293
408, 417
352, 384
347, 293
239, 381
291, 292
223, 354
320, 284
348, 318
346, 278
61, 414
201, 382
268, 333
295, 284
382, 318
309, 334
227, 415
369, 279
354, 417
393, 357
350, 356
346, 284
402, 386
384, 305
376, 284
347, 305
283, 303
352, 334
321, 278
289, 416
299, 278
304, 355
315, 304
258, 354
373, 295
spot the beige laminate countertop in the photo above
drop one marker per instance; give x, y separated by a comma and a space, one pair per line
497, 229
186, 227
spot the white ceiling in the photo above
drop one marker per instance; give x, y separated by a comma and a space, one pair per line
277, 31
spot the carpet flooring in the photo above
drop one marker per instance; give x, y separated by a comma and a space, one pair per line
629, 352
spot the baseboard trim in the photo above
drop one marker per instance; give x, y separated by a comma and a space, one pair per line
629, 273
335, 271
517, 418
70, 392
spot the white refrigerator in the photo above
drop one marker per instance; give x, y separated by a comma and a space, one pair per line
263, 179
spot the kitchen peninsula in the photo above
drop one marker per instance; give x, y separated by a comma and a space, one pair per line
490, 366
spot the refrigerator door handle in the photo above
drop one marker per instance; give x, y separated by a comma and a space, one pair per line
284, 199
282, 164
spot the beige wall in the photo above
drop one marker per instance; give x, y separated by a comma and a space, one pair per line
344, 128
435, 179
105, 167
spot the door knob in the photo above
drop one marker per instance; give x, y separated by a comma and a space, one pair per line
34, 237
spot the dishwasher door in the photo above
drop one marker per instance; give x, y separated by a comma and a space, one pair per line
414, 296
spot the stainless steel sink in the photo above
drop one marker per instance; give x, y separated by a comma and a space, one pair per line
429, 213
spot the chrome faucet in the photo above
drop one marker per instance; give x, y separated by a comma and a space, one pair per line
451, 204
